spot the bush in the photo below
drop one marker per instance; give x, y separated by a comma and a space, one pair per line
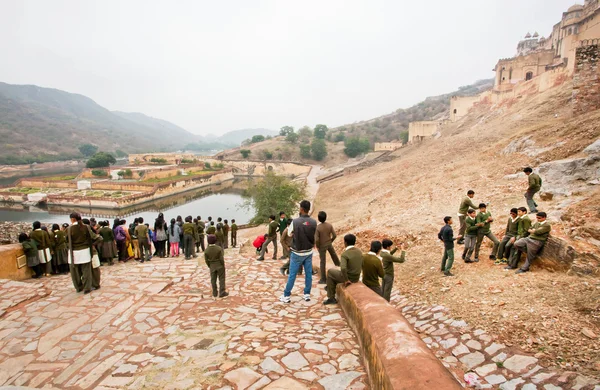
267, 154
356, 146
207, 165
101, 160
318, 149
158, 160
188, 161
274, 194
120, 154
305, 132
305, 151
88, 149
99, 172
339, 137
245, 153
292, 138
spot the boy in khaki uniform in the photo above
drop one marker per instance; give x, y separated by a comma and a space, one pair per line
234, 229
324, 238
213, 257
484, 220
271, 237
350, 269
388, 259
286, 241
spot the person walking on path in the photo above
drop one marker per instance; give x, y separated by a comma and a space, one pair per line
465, 205
324, 238
483, 221
214, 259
388, 259
80, 240
349, 272
538, 235
372, 268
534, 186
508, 240
271, 237
446, 235
234, 229
302, 230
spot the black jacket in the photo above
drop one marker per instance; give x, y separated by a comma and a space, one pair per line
304, 233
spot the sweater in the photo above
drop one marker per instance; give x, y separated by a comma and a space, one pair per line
351, 263
446, 234
213, 257
372, 270
523, 226
472, 227
542, 231
465, 205
512, 227
482, 218
388, 259
324, 235
535, 182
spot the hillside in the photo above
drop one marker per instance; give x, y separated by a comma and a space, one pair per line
388, 127
541, 312
42, 124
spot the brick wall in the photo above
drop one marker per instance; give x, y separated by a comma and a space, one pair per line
586, 80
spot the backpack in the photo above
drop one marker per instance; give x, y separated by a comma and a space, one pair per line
120, 234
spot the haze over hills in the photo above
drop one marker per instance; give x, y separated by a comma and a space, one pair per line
45, 124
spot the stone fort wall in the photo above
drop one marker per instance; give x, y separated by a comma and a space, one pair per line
586, 79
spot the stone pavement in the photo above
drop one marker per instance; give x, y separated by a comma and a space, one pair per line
473, 354
155, 326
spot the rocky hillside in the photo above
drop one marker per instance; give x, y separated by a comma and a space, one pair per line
543, 311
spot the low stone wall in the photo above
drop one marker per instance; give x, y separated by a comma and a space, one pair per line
393, 353
8, 263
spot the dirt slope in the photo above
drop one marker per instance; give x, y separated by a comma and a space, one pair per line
406, 200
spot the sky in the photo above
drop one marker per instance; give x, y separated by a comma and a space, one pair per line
215, 66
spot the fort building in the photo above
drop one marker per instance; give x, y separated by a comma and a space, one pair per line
460, 106
417, 131
537, 55
387, 146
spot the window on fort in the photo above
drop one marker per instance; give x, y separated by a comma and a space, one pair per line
510, 74
528, 76
455, 110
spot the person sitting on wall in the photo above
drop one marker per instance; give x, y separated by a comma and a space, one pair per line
538, 235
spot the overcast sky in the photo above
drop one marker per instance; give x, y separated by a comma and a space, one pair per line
215, 66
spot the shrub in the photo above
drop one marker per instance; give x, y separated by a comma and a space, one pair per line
267, 154
339, 137
101, 160
207, 165
257, 138
404, 137
292, 138
245, 153
305, 151
318, 149
156, 160
99, 172
356, 146
88, 149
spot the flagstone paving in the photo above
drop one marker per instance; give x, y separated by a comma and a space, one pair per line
474, 354
155, 326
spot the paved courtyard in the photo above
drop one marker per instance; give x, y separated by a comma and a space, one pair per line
156, 326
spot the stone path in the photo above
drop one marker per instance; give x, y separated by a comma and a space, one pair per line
473, 355
155, 326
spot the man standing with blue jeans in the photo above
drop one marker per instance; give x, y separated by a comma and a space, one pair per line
302, 230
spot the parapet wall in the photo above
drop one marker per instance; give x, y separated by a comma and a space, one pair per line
260, 168
9, 268
586, 79
393, 353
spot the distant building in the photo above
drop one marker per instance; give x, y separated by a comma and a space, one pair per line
536, 55
387, 146
460, 106
417, 131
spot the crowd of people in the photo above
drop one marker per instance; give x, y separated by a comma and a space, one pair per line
81, 247
84, 245
520, 236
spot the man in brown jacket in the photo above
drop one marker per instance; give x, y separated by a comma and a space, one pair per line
324, 237
286, 241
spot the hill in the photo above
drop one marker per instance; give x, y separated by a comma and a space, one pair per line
541, 312
236, 137
389, 127
43, 124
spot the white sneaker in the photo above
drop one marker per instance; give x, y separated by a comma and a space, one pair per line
284, 299
306, 297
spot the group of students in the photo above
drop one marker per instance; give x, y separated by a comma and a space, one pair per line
81, 247
520, 235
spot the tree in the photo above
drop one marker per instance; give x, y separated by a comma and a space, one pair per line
356, 146
120, 154
305, 151
207, 165
257, 138
88, 149
267, 154
292, 138
318, 149
320, 131
286, 130
245, 152
274, 194
305, 132
101, 160
404, 137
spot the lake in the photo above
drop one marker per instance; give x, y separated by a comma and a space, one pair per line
216, 202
